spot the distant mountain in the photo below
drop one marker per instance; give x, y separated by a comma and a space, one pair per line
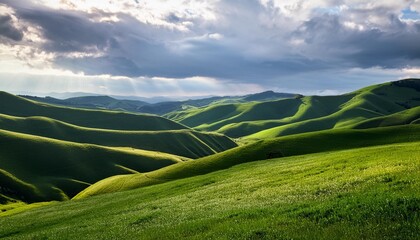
132, 104
93, 102
167, 107
267, 95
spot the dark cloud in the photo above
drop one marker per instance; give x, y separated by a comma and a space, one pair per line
69, 32
173, 18
117, 66
395, 46
8, 30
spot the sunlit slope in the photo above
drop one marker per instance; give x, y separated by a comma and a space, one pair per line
366, 193
300, 144
184, 142
17, 106
35, 168
409, 116
372, 102
305, 114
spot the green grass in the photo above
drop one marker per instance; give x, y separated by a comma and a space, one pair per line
34, 168
330, 140
21, 107
306, 114
183, 142
365, 193
18, 207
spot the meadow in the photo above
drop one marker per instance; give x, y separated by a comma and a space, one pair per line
365, 193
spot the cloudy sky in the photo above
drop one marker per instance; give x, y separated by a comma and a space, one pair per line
206, 47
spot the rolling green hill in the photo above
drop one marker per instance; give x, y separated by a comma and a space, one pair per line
46, 159
409, 116
34, 168
184, 142
21, 107
330, 140
365, 193
303, 114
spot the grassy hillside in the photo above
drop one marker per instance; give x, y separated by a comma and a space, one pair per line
34, 168
21, 107
303, 114
324, 141
368, 193
410, 116
371, 102
184, 142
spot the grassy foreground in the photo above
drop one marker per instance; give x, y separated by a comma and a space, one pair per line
365, 193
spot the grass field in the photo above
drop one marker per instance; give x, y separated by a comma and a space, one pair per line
330, 140
366, 193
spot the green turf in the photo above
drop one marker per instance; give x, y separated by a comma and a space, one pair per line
183, 142
34, 168
365, 193
324, 141
21, 107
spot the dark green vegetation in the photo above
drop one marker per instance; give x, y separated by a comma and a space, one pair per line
106, 102
324, 141
259, 120
366, 193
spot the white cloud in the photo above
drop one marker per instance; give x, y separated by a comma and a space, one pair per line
154, 12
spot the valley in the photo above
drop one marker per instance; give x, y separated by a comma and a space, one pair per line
294, 167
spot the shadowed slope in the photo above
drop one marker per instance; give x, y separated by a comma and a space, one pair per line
35, 168
184, 142
18, 106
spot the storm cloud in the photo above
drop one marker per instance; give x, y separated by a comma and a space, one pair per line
266, 42
8, 30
